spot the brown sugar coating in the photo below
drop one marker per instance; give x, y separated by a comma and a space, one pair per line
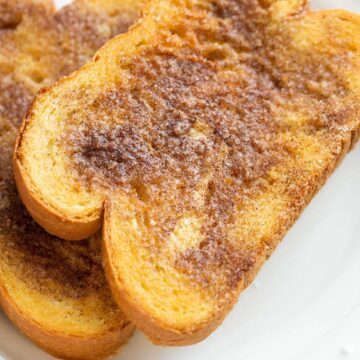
73, 34
84, 31
37, 47
207, 120
15, 99
76, 267
10, 14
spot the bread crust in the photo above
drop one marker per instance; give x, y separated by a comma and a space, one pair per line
157, 332
62, 345
51, 220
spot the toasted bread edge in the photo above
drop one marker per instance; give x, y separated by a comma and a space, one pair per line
64, 345
51, 220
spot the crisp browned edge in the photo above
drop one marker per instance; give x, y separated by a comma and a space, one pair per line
53, 222
62, 345
157, 332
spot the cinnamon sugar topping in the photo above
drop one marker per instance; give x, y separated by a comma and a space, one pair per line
209, 115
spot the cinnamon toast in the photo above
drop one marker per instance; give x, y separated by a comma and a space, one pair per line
53, 291
196, 140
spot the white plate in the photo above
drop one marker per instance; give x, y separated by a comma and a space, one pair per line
305, 303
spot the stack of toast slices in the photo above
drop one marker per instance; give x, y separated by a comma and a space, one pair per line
54, 291
168, 168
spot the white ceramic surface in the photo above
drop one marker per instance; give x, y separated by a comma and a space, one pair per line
305, 303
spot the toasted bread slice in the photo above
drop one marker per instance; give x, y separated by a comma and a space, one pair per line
197, 139
54, 291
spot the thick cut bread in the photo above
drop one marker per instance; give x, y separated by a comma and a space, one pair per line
54, 291
196, 139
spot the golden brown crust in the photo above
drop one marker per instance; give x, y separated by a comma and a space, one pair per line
51, 220
159, 333
65, 346
270, 98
